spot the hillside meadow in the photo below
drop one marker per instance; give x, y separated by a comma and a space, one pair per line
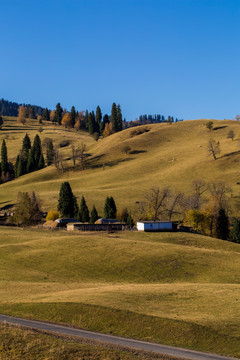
162, 155
172, 288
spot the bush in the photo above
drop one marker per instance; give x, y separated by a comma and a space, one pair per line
64, 143
140, 131
52, 215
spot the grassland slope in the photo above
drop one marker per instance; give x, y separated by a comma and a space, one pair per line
162, 155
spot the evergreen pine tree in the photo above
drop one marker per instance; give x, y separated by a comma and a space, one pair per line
98, 116
94, 215
46, 114
50, 152
86, 119
26, 143
83, 211
114, 118
16, 166
37, 150
110, 209
1, 122
4, 158
66, 201
58, 114
130, 221
21, 167
91, 123
222, 225
235, 235
31, 165
73, 115
119, 118
41, 162
75, 207
26, 146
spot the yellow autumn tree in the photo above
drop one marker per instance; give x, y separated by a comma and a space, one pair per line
52, 115
21, 115
79, 121
107, 130
67, 120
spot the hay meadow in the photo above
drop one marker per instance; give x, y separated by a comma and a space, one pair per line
173, 288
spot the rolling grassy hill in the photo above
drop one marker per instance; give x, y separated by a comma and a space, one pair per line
164, 155
178, 289
173, 288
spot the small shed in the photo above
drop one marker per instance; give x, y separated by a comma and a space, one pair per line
155, 226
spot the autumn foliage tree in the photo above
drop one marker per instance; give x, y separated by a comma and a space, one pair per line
67, 120
21, 115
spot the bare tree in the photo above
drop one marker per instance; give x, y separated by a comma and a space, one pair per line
199, 188
75, 152
155, 202
218, 194
56, 159
237, 117
213, 148
173, 204
82, 156
61, 161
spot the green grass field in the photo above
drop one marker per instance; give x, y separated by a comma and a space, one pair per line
173, 288
166, 155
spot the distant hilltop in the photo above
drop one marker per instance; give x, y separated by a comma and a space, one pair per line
151, 119
9, 108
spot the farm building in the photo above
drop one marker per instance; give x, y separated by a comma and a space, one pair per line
96, 227
155, 226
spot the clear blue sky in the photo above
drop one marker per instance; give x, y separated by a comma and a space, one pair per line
177, 57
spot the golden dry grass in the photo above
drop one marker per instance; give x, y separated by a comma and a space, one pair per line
166, 155
182, 280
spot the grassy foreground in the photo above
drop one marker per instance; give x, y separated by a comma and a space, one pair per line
17, 344
173, 288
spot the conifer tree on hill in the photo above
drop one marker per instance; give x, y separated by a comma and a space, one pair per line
66, 201
37, 150
4, 158
94, 215
31, 164
222, 225
235, 236
114, 118
73, 116
98, 116
21, 169
46, 114
119, 118
83, 214
110, 209
50, 152
58, 114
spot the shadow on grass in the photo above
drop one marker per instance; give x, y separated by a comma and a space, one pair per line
220, 127
134, 152
229, 154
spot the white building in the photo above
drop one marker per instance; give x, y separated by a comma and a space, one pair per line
155, 226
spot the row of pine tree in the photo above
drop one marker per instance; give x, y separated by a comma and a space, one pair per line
28, 160
68, 207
